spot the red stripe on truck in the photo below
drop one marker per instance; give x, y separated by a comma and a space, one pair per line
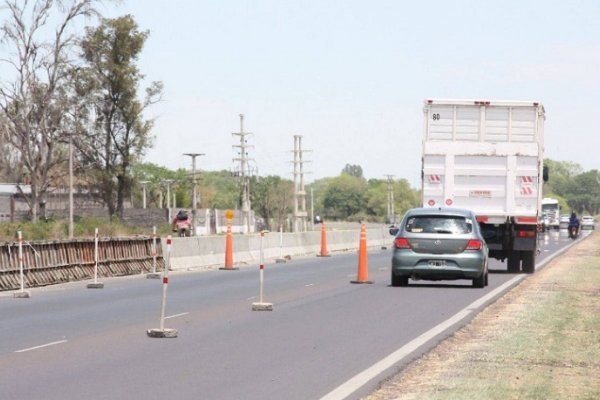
527, 220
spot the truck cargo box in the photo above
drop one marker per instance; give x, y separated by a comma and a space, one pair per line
486, 156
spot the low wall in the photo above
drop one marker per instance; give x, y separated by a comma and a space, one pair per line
198, 251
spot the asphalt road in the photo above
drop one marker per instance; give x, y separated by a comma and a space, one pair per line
70, 342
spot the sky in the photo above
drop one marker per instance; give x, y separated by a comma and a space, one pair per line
351, 76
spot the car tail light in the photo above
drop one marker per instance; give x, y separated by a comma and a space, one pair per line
473, 244
401, 243
526, 234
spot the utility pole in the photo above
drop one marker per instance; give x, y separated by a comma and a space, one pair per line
168, 183
390, 199
71, 229
144, 183
194, 199
245, 178
299, 192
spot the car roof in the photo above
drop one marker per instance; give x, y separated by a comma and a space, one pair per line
443, 211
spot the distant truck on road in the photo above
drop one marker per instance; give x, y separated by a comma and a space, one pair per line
487, 156
551, 213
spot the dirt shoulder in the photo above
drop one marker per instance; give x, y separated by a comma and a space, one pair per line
539, 341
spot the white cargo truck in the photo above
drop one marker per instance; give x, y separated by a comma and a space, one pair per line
487, 156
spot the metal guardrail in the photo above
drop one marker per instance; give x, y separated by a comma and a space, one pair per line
51, 262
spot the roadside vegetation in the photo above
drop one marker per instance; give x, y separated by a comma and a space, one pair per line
82, 228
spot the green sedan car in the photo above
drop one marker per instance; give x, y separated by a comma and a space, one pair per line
439, 244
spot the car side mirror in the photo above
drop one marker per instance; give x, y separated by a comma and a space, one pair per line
394, 230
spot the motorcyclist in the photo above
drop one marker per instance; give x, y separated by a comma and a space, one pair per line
574, 224
182, 223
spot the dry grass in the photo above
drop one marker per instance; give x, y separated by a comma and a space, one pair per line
540, 341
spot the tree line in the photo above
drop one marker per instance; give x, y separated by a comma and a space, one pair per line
346, 197
575, 189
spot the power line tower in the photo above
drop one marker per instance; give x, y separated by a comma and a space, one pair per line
244, 174
390, 199
300, 213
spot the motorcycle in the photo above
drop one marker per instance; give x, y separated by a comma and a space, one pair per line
573, 231
182, 224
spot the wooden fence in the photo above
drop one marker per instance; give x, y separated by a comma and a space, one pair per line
51, 262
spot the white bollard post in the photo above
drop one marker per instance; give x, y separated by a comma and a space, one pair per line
261, 305
163, 332
21, 294
153, 274
280, 259
96, 284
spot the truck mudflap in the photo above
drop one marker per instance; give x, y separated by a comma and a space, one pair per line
528, 244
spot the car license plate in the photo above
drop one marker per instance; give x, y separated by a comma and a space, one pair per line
437, 263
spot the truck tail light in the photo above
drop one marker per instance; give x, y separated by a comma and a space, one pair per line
473, 244
401, 243
526, 234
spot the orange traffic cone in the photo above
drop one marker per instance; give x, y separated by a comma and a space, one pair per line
363, 270
324, 252
229, 250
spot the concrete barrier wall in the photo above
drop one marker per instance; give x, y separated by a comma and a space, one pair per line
205, 251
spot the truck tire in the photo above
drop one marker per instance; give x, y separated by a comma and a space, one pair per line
528, 258
514, 261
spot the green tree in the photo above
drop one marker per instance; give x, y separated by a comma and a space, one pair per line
353, 170
272, 198
344, 197
560, 174
583, 193
119, 135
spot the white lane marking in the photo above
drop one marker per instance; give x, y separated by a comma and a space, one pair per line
251, 298
383, 268
309, 285
359, 380
177, 315
39, 347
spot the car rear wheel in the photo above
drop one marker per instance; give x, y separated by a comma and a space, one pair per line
480, 282
399, 280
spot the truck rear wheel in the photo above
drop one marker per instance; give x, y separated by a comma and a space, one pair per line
528, 258
514, 261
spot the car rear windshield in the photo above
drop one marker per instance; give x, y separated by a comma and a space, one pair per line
439, 224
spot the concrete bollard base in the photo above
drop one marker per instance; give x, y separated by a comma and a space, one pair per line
228, 269
162, 333
22, 295
369, 282
97, 285
262, 306
153, 276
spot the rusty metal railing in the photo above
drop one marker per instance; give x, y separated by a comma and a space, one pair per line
51, 262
